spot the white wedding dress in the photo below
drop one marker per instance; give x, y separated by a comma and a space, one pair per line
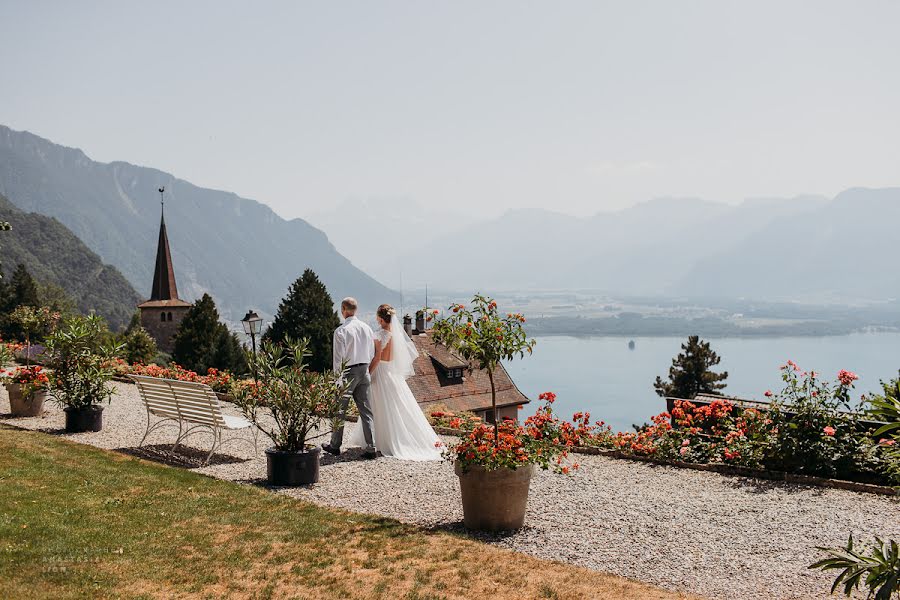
401, 429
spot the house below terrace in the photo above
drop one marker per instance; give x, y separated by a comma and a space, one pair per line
442, 379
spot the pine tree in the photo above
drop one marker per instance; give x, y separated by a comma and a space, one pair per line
23, 289
228, 353
690, 372
18, 290
307, 312
138, 346
202, 342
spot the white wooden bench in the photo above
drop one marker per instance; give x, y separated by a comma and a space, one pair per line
192, 406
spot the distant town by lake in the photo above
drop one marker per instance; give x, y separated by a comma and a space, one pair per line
615, 383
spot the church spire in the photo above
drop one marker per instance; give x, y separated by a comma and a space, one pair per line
164, 287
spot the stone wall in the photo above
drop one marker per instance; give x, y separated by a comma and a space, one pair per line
162, 323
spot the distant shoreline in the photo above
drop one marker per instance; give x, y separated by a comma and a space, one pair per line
593, 328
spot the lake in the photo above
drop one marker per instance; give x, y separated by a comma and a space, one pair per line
615, 384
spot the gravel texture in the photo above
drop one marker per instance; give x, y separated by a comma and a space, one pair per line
692, 531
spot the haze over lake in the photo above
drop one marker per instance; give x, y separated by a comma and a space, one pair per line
601, 375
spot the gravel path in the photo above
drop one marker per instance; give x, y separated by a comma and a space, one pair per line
693, 531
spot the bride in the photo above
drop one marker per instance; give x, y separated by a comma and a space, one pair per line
401, 429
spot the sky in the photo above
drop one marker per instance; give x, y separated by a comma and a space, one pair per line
482, 106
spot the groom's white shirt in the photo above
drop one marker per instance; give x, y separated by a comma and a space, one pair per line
354, 343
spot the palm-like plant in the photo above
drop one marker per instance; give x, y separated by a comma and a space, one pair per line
878, 570
81, 359
298, 400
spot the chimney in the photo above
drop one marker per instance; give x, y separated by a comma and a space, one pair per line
420, 321
407, 324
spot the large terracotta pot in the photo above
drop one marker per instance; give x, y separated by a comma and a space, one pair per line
494, 500
21, 405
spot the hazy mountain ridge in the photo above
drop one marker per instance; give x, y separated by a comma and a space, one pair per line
236, 249
368, 230
807, 247
53, 254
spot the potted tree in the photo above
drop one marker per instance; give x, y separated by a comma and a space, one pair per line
495, 462
34, 322
82, 366
27, 389
287, 403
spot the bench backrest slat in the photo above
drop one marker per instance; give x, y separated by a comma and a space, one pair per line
187, 400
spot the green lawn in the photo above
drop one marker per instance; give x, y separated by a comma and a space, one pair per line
80, 522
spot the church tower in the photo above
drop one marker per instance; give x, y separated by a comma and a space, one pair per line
162, 313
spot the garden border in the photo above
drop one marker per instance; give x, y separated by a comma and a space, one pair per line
731, 470
722, 469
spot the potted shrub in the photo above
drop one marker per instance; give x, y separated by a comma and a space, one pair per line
34, 322
287, 402
27, 389
82, 371
494, 462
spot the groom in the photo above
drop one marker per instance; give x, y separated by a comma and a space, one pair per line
354, 345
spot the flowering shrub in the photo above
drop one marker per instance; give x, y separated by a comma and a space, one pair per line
809, 428
451, 420
7, 353
219, 381
511, 445
815, 429
886, 407
32, 379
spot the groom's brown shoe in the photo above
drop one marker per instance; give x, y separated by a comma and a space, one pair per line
369, 455
335, 451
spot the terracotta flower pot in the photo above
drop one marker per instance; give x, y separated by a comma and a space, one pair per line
21, 405
494, 500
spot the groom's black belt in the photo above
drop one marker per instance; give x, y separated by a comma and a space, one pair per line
356, 365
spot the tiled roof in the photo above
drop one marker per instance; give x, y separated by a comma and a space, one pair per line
473, 392
163, 303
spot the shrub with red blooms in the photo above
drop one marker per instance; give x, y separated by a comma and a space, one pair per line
817, 431
32, 379
538, 441
219, 381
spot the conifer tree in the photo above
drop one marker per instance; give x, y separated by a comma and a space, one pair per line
138, 346
23, 290
690, 372
307, 312
228, 353
202, 342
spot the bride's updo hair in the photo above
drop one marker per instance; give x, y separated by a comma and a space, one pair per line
386, 312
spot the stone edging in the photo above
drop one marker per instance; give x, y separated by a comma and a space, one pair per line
722, 469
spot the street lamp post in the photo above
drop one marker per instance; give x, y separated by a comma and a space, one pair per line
252, 323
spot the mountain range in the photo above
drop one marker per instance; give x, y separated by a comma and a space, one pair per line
53, 254
806, 248
238, 250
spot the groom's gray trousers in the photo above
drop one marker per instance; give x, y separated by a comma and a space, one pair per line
358, 376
